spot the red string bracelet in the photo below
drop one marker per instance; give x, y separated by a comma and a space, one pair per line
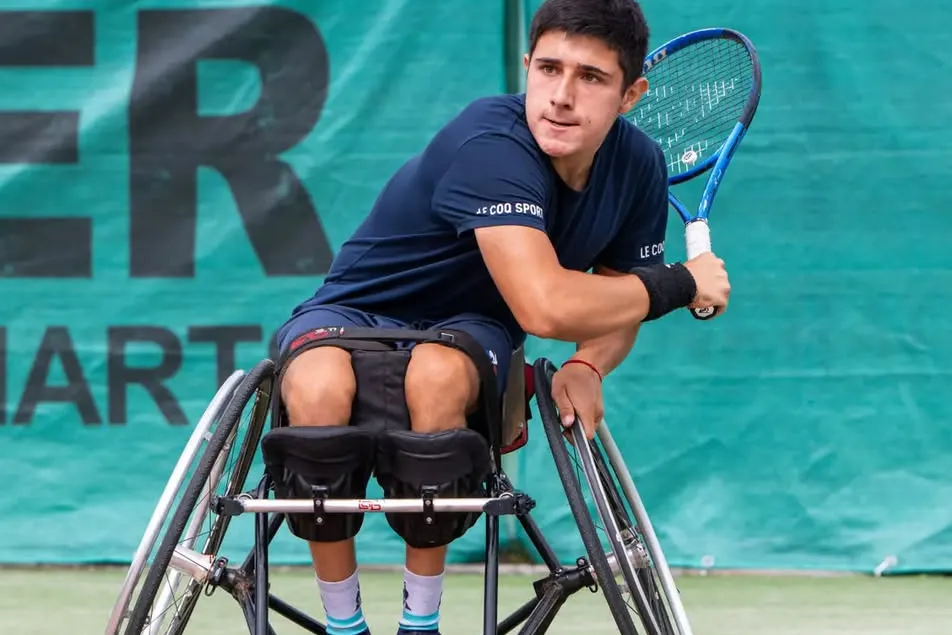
584, 363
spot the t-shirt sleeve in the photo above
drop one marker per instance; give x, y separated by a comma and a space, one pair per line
641, 239
493, 180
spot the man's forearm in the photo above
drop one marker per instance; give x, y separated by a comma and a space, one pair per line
607, 352
581, 306
576, 306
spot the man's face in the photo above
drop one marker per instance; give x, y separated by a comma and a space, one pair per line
574, 93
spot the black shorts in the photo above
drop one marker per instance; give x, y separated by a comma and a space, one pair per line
491, 335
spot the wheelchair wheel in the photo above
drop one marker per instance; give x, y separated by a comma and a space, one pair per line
628, 573
202, 433
644, 532
189, 549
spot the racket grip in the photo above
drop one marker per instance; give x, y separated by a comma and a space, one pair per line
697, 235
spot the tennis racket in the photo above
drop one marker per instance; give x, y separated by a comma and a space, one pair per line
703, 91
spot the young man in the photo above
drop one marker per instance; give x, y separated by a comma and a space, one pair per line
491, 230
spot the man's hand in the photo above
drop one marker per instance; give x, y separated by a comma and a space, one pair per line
710, 276
577, 389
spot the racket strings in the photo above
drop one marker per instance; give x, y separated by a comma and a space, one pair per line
694, 99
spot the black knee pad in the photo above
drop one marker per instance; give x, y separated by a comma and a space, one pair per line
339, 458
451, 464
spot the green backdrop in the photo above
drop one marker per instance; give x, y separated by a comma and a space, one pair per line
153, 157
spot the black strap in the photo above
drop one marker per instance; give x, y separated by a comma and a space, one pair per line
393, 334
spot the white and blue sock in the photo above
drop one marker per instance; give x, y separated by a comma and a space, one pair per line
421, 602
342, 606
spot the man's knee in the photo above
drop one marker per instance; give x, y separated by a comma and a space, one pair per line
442, 386
318, 387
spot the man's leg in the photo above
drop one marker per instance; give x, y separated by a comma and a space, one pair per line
442, 388
318, 389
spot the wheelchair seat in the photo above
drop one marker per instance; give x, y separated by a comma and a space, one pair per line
435, 488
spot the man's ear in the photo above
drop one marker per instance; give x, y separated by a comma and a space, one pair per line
525, 61
632, 94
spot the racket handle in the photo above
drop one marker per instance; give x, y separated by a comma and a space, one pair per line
697, 235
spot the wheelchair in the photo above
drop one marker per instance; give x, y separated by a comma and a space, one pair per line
435, 488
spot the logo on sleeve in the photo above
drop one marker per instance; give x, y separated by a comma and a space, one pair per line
502, 209
648, 251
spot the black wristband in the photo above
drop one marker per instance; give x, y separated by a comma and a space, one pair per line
669, 287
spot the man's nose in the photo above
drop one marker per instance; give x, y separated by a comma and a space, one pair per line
562, 96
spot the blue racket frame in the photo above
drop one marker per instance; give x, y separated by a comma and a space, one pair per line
721, 158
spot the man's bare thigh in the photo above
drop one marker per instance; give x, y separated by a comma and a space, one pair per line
318, 387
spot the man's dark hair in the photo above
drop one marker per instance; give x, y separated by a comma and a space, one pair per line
620, 24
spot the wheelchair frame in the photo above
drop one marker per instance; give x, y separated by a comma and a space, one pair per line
635, 553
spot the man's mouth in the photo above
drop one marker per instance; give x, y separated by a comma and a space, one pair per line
560, 124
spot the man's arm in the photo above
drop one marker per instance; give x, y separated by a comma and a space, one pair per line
495, 187
616, 302
608, 351
551, 302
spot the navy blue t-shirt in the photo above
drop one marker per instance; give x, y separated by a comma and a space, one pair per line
415, 256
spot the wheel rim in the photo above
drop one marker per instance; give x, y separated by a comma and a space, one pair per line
172, 491
632, 560
646, 530
586, 522
621, 540
176, 565
189, 566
